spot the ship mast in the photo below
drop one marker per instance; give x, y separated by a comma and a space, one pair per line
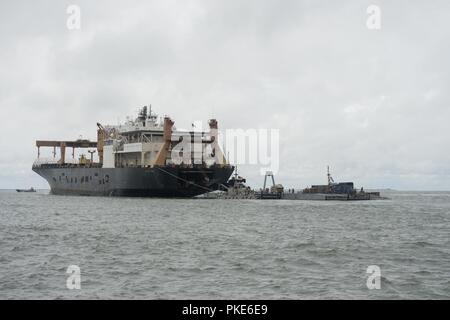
330, 178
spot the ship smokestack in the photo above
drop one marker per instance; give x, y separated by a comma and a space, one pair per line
100, 141
214, 132
162, 153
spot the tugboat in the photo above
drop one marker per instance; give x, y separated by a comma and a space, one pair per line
237, 189
342, 191
26, 190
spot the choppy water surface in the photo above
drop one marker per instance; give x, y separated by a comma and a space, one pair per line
217, 249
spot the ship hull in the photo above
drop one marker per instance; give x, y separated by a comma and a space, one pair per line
165, 181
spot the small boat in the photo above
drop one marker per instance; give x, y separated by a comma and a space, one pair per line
26, 190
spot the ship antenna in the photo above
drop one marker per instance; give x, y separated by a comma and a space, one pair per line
235, 176
328, 175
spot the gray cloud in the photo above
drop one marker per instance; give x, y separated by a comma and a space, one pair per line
372, 104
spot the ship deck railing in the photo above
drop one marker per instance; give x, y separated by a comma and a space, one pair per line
55, 164
66, 165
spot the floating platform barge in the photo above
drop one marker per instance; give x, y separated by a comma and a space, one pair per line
343, 191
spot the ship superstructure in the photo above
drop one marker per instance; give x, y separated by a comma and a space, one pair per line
146, 156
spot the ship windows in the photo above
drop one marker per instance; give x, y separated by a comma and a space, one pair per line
96, 174
86, 178
54, 179
71, 180
76, 180
82, 179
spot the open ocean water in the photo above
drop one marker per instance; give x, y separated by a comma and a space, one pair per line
135, 248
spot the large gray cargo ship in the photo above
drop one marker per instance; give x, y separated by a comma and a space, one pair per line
143, 157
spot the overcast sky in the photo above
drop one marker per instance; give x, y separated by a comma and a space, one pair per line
372, 104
